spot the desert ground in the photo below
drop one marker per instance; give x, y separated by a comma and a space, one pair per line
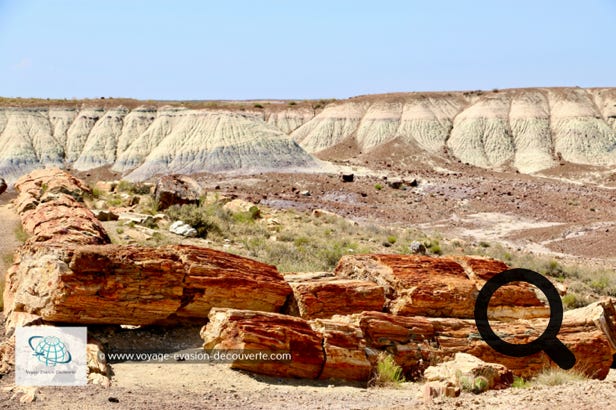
526, 217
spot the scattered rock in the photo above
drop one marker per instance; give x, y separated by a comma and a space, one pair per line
417, 248
106, 186
464, 368
347, 177
395, 183
7, 355
176, 190
183, 229
141, 219
105, 215
100, 204
304, 193
318, 213
237, 206
98, 370
432, 390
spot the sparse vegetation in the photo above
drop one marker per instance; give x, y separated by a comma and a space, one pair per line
556, 376
388, 373
20, 234
378, 187
96, 193
133, 188
205, 219
304, 242
520, 383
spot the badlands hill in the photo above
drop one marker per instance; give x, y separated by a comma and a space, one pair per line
525, 129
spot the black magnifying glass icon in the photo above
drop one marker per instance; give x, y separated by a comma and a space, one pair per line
547, 342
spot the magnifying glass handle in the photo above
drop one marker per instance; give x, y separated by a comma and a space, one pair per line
560, 354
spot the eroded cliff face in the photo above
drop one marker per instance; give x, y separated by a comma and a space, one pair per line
148, 141
526, 129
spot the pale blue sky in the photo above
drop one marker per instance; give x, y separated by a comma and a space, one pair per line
299, 49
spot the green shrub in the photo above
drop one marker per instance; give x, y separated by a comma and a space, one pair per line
20, 234
378, 187
388, 373
96, 193
133, 188
392, 239
473, 384
520, 383
200, 218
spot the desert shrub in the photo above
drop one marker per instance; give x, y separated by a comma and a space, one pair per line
554, 376
133, 188
96, 193
20, 234
388, 373
433, 246
378, 187
249, 216
258, 105
203, 219
520, 383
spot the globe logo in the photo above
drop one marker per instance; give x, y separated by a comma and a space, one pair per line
49, 350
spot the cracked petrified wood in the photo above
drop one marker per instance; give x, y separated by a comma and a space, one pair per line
325, 298
50, 205
262, 332
417, 342
121, 284
345, 350
417, 285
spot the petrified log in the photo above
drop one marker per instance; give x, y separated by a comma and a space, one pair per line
266, 333
417, 285
588, 332
50, 205
345, 350
53, 180
114, 284
323, 299
410, 340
